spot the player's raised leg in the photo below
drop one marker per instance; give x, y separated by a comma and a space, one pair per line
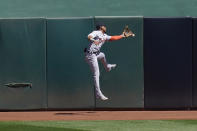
107, 66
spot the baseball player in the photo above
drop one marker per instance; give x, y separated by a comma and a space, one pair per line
92, 54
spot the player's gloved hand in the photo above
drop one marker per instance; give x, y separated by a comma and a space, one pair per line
127, 32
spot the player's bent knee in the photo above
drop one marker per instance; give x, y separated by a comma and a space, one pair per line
102, 54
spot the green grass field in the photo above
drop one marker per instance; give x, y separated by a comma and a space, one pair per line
140, 125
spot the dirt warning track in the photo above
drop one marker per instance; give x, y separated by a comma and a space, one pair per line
98, 115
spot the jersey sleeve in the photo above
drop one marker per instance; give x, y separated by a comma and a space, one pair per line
93, 34
107, 37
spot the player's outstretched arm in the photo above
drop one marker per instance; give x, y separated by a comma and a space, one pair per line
116, 37
126, 33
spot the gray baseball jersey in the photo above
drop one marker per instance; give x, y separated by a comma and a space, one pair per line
101, 37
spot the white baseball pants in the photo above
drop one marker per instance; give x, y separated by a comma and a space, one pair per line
92, 60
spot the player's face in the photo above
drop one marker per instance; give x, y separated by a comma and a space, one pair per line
104, 29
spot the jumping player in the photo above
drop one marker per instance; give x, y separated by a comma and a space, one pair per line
93, 54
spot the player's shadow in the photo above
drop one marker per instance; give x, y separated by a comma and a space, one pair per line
66, 113
75, 113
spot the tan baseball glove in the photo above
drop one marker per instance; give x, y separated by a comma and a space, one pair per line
127, 32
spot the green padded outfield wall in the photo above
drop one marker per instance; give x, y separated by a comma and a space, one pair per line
65, 8
124, 85
23, 62
68, 76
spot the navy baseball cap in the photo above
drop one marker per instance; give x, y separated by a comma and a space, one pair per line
98, 25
